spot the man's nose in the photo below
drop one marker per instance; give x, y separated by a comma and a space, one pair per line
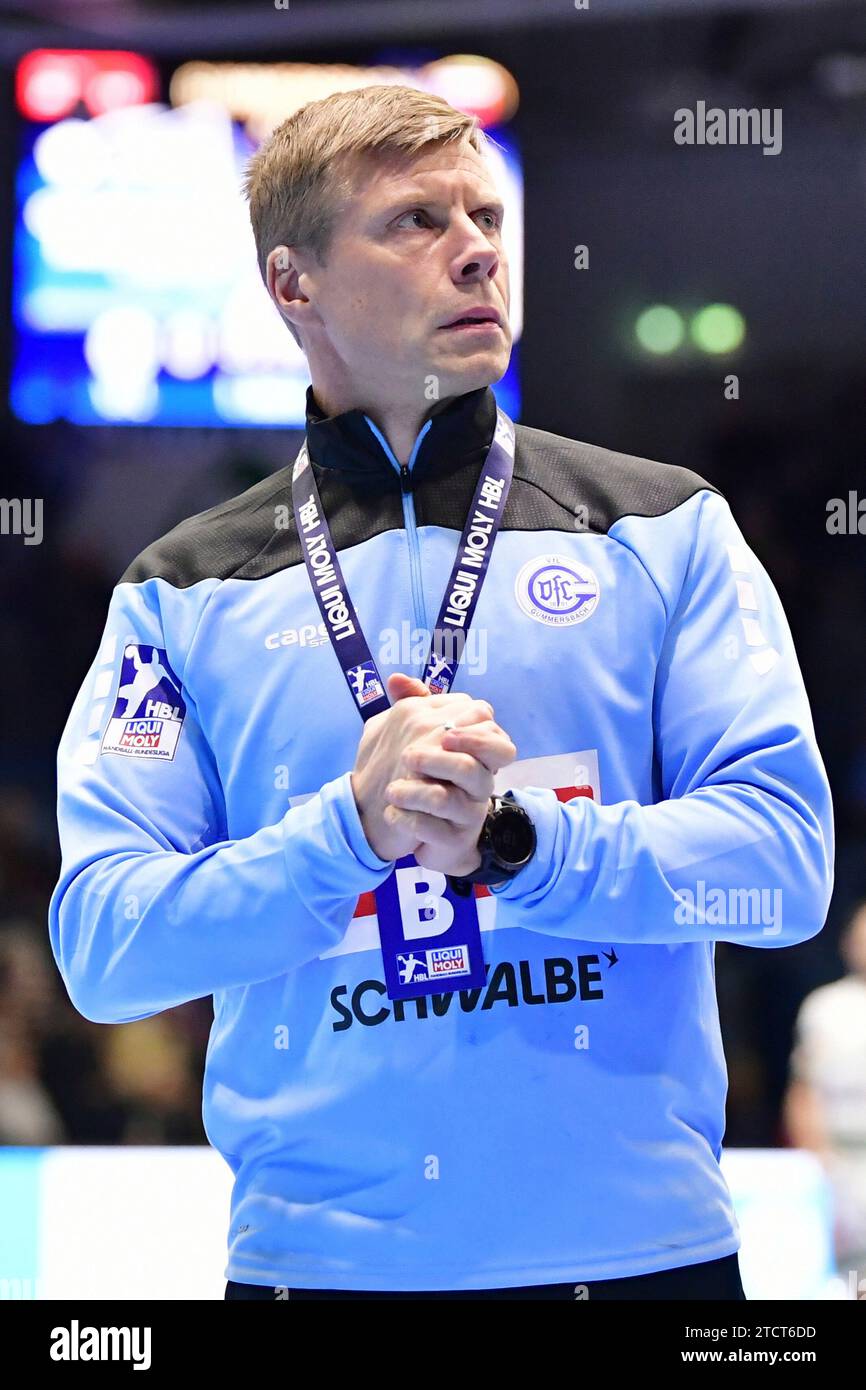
481, 267
476, 258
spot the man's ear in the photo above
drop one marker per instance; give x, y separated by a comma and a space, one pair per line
280, 260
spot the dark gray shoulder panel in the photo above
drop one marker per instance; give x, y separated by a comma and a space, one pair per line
555, 476
216, 543
253, 535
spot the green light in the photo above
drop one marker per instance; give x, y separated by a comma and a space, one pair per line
660, 329
718, 328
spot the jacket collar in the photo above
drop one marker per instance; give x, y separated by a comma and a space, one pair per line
455, 431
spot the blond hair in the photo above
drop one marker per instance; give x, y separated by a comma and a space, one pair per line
299, 178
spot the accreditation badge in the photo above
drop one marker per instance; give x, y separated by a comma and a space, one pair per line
430, 937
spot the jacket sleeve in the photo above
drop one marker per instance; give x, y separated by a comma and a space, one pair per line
155, 905
739, 844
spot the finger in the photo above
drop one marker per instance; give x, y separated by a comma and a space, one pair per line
454, 700
401, 686
433, 856
488, 743
461, 769
426, 719
391, 817
461, 717
432, 830
481, 726
434, 799
443, 801
486, 708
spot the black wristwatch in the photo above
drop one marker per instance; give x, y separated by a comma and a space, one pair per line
507, 843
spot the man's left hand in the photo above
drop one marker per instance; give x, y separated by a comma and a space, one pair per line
448, 792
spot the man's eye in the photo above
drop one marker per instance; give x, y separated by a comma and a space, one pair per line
495, 219
415, 212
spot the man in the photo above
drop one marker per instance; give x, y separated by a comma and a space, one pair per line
538, 1110
825, 1104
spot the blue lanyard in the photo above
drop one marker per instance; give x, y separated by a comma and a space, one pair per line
461, 593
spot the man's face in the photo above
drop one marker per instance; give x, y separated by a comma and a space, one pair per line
418, 245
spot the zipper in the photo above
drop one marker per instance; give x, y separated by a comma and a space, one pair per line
414, 546
404, 470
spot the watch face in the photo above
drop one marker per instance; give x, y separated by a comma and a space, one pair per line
512, 836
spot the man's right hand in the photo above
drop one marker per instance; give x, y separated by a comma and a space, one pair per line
415, 716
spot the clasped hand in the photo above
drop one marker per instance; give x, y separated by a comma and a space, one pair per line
424, 790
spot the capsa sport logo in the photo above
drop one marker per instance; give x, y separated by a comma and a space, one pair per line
557, 591
149, 710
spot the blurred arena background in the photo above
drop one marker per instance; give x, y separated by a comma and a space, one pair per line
702, 305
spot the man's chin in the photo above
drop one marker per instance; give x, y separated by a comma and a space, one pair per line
479, 369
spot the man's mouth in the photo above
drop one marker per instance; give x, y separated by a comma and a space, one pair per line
484, 320
469, 325
473, 323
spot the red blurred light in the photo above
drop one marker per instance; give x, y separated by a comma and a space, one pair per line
51, 82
